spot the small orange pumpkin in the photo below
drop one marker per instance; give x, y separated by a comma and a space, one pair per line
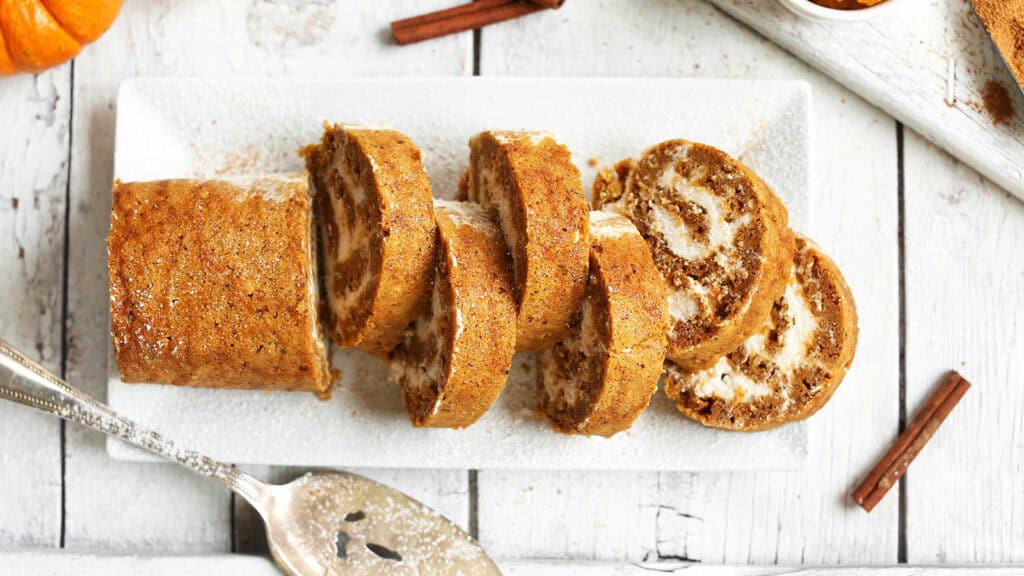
39, 34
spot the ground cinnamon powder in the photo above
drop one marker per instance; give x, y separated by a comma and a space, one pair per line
1004, 20
997, 102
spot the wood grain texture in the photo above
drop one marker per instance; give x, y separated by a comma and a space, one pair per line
927, 64
965, 311
50, 563
177, 512
764, 517
964, 240
34, 123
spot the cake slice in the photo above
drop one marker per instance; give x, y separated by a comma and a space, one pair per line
214, 283
453, 360
790, 367
603, 374
377, 228
718, 235
528, 182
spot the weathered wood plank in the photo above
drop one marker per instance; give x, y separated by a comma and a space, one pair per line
34, 148
49, 563
166, 38
928, 65
965, 311
770, 517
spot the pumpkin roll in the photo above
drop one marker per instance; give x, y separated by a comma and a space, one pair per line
788, 369
214, 283
377, 229
718, 235
602, 375
453, 360
530, 185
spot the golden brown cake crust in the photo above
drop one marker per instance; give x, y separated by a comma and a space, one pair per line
377, 224
528, 181
453, 362
212, 283
728, 249
602, 376
791, 367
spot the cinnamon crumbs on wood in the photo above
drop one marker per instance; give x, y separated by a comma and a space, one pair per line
997, 102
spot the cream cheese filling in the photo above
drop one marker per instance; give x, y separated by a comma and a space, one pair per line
725, 382
682, 306
350, 240
676, 233
800, 333
423, 373
609, 225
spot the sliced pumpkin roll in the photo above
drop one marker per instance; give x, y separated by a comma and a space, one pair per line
787, 370
377, 229
718, 235
602, 375
529, 183
453, 360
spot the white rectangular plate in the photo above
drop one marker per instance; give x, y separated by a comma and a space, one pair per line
203, 128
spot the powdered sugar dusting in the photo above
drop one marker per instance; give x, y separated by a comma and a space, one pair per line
381, 531
534, 137
467, 214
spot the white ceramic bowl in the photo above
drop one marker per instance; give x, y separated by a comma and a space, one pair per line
809, 9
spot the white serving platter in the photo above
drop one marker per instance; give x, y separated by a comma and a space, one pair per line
168, 128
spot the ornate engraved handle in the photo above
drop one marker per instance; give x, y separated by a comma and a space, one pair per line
24, 381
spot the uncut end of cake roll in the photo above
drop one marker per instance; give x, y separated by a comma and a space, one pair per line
377, 230
453, 360
214, 283
530, 185
718, 235
601, 377
787, 370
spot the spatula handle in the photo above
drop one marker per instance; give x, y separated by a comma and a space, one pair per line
24, 381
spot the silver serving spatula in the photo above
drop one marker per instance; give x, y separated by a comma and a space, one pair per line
322, 523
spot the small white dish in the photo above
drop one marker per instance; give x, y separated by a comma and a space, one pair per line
809, 9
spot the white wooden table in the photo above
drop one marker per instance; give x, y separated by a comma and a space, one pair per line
934, 254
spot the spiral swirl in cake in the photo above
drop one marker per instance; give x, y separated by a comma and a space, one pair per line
718, 235
787, 370
377, 228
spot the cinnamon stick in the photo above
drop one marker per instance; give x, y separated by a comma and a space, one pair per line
464, 17
894, 464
